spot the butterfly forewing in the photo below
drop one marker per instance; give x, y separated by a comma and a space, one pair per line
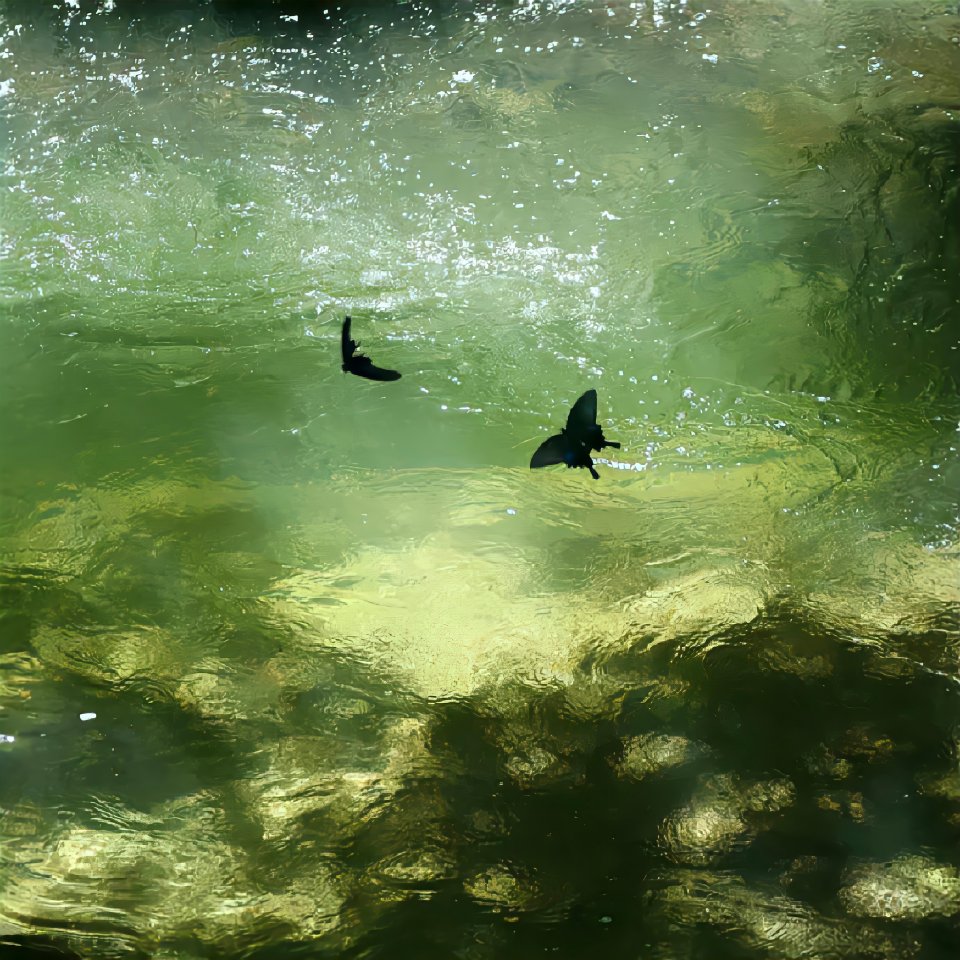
347, 346
583, 416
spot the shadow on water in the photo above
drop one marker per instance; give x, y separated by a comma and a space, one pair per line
36, 948
293, 18
720, 791
583, 859
908, 155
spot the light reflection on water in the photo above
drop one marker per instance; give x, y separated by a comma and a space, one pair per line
365, 685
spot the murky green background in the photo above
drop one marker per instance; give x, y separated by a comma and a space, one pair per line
296, 664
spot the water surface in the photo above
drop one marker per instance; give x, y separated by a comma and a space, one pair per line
299, 664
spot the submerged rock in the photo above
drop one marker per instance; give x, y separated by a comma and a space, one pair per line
515, 888
823, 762
536, 766
717, 819
167, 876
502, 885
443, 622
654, 753
774, 925
946, 786
319, 779
844, 803
696, 607
891, 587
912, 887
425, 865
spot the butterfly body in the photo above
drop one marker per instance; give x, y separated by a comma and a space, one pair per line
573, 444
357, 363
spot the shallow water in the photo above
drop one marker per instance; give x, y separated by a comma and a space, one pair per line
297, 664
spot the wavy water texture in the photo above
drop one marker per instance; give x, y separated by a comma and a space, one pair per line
295, 664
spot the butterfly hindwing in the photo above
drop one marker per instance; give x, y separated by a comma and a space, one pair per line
365, 367
552, 450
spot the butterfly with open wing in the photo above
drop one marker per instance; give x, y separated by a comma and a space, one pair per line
573, 444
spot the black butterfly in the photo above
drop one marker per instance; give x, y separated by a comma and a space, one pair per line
359, 364
573, 444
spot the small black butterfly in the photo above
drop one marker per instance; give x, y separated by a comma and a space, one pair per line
573, 444
357, 363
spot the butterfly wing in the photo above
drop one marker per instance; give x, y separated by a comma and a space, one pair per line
583, 416
359, 364
347, 346
552, 450
364, 367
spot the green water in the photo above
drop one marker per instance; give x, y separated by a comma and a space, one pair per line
362, 683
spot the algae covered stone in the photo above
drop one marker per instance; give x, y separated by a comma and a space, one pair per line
655, 753
723, 814
776, 926
911, 887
